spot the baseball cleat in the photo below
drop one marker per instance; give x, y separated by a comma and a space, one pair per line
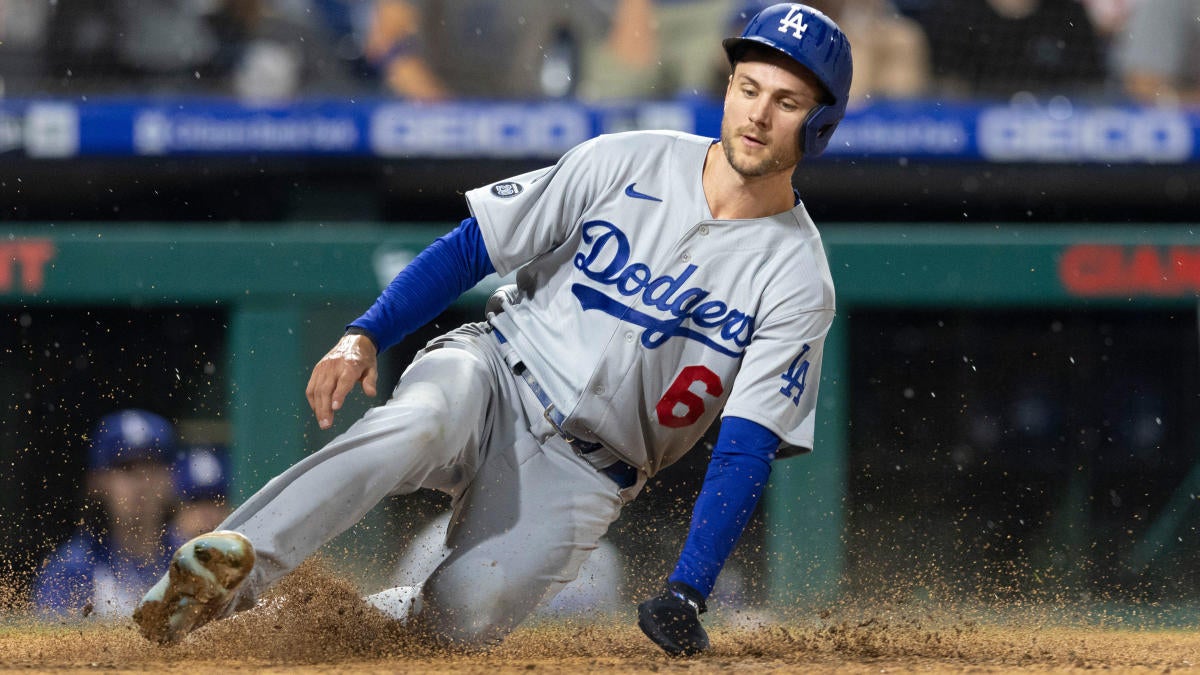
198, 587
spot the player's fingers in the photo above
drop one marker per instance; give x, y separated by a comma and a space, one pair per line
348, 375
310, 391
320, 391
369, 381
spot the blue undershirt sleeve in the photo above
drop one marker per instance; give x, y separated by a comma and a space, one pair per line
450, 266
737, 474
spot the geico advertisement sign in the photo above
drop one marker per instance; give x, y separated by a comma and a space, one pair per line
51, 130
1117, 135
465, 131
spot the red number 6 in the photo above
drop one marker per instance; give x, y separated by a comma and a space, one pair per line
680, 393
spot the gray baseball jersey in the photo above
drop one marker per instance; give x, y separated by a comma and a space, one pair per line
641, 315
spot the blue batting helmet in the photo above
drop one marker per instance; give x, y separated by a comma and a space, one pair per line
128, 436
814, 41
202, 472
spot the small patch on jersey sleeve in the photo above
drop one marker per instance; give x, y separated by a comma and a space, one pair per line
507, 189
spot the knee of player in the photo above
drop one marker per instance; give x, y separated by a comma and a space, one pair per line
429, 412
428, 428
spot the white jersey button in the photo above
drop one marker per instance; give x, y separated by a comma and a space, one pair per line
703, 230
598, 389
629, 336
686, 257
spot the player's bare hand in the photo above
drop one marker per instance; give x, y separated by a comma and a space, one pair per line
352, 359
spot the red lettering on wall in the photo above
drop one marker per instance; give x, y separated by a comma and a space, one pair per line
1111, 270
1090, 269
29, 257
1185, 264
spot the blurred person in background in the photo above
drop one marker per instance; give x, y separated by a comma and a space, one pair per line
1159, 58
201, 475
891, 50
253, 49
24, 25
123, 541
1110, 19
658, 49
995, 49
431, 50
275, 50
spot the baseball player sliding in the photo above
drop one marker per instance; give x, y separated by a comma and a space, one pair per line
663, 279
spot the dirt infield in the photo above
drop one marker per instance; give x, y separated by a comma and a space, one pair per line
318, 624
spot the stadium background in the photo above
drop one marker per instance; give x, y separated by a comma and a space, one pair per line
1015, 403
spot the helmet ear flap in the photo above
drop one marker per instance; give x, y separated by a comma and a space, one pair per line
818, 128
805, 141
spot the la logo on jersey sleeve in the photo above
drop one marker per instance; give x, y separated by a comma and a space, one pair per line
794, 378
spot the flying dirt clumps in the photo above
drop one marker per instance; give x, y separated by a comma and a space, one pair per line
310, 617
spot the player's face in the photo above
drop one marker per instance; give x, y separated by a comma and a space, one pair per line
134, 492
765, 105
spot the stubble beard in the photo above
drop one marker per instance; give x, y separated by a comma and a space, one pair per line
778, 159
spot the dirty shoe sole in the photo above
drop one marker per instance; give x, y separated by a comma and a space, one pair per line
198, 587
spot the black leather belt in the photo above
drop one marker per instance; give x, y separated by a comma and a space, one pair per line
624, 475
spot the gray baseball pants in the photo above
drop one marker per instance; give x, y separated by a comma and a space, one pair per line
527, 509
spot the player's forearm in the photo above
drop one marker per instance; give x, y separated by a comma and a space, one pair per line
733, 485
425, 287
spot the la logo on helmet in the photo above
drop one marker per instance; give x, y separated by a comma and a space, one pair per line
795, 21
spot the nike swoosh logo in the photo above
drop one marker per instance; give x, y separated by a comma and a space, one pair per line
630, 192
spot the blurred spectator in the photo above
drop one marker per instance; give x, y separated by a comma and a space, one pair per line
80, 44
891, 51
166, 38
994, 49
280, 49
201, 477
658, 49
123, 543
347, 23
23, 31
1159, 60
254, 49
429, 50
1109, 17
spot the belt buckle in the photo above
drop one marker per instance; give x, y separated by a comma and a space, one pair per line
550, 418
580, 446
